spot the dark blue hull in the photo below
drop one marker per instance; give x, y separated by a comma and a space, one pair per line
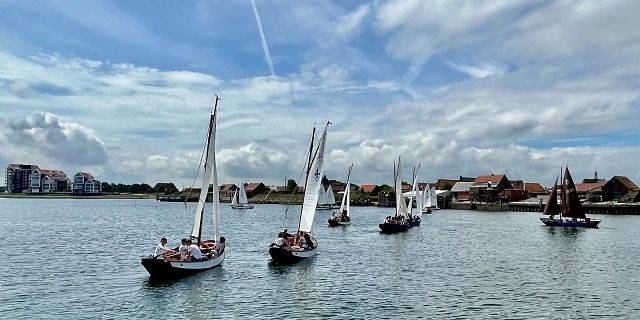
393, 227
588, 223
415, 222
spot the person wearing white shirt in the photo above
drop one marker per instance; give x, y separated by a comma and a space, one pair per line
161, 248
194, 251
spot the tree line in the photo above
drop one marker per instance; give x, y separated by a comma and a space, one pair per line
165, 188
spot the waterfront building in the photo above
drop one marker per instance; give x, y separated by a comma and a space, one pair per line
254, 188
489, 188
461, 191
227, 190
370, 189
46, 181
17, 177
617, 188
85, 183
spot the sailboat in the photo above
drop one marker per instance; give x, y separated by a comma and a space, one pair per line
159, 267
433, 198
342, 217
570, 207
426, 199
326, 199
400, 221
240, 198
289, 250
415, 219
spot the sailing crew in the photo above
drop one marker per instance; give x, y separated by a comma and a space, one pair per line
281, 241
182, 250
302, 242
220, 245
194, 251
161, 249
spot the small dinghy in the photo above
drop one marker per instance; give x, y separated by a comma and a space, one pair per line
240, 200
160, 267
342, 217
400, 221
287, 248
570, 210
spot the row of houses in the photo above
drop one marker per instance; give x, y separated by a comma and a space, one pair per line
497, 187
29, 178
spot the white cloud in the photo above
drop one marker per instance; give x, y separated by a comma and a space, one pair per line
480, 71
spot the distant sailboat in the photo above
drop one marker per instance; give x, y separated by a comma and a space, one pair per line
289, 250
433, 198
426, 199
240, 200
326, 199
400, 221
343, 217
570, 207
175, 268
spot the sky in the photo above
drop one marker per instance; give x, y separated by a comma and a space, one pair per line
124, 89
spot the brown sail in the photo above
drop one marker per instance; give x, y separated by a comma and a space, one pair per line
552, 206
573, 207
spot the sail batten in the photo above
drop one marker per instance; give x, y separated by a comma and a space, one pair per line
313, 185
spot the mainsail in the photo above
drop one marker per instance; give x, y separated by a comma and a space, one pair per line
401, 204
313, 185
210, 177
552, 208
242, 196
427, 197
433, 199
346, 197
573, 207
414, 193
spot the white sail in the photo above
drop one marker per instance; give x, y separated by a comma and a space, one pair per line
331, 198
433, 198
234, 200
427, 197
346, 197
401, 204
242, 197
210, 177
313, 186
418, 202
322, 196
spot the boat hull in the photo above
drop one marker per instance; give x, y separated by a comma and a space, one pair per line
391, 228
161, 269
283, 255
415, 222
589, 223
246, 206
324, 207
428, 211
337, 223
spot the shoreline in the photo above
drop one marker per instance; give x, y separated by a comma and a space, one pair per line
72, 196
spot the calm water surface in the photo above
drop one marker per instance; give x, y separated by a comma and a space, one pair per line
73, 259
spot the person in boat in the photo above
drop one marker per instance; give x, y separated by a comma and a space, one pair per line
220, 245
345, 217
181, 254
308, 242
194, 252
301, 241
161, 249
281, 241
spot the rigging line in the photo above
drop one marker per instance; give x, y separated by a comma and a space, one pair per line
186, 198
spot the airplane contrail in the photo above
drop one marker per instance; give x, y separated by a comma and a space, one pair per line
265, 46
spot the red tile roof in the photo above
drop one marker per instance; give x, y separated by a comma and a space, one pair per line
250, 187
227, 187
626, 182
368, 188
584, 187
483, 180
535, 188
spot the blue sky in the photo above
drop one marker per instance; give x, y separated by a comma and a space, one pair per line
123, 88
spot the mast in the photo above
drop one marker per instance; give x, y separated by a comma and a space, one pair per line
209, 175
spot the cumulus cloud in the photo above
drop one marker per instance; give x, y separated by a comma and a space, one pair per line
45, 135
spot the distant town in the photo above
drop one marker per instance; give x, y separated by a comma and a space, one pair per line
485, 192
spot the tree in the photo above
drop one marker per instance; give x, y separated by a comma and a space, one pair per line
165, 187
106, 187
291, 185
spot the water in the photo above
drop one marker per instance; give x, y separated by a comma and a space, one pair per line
72, 259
